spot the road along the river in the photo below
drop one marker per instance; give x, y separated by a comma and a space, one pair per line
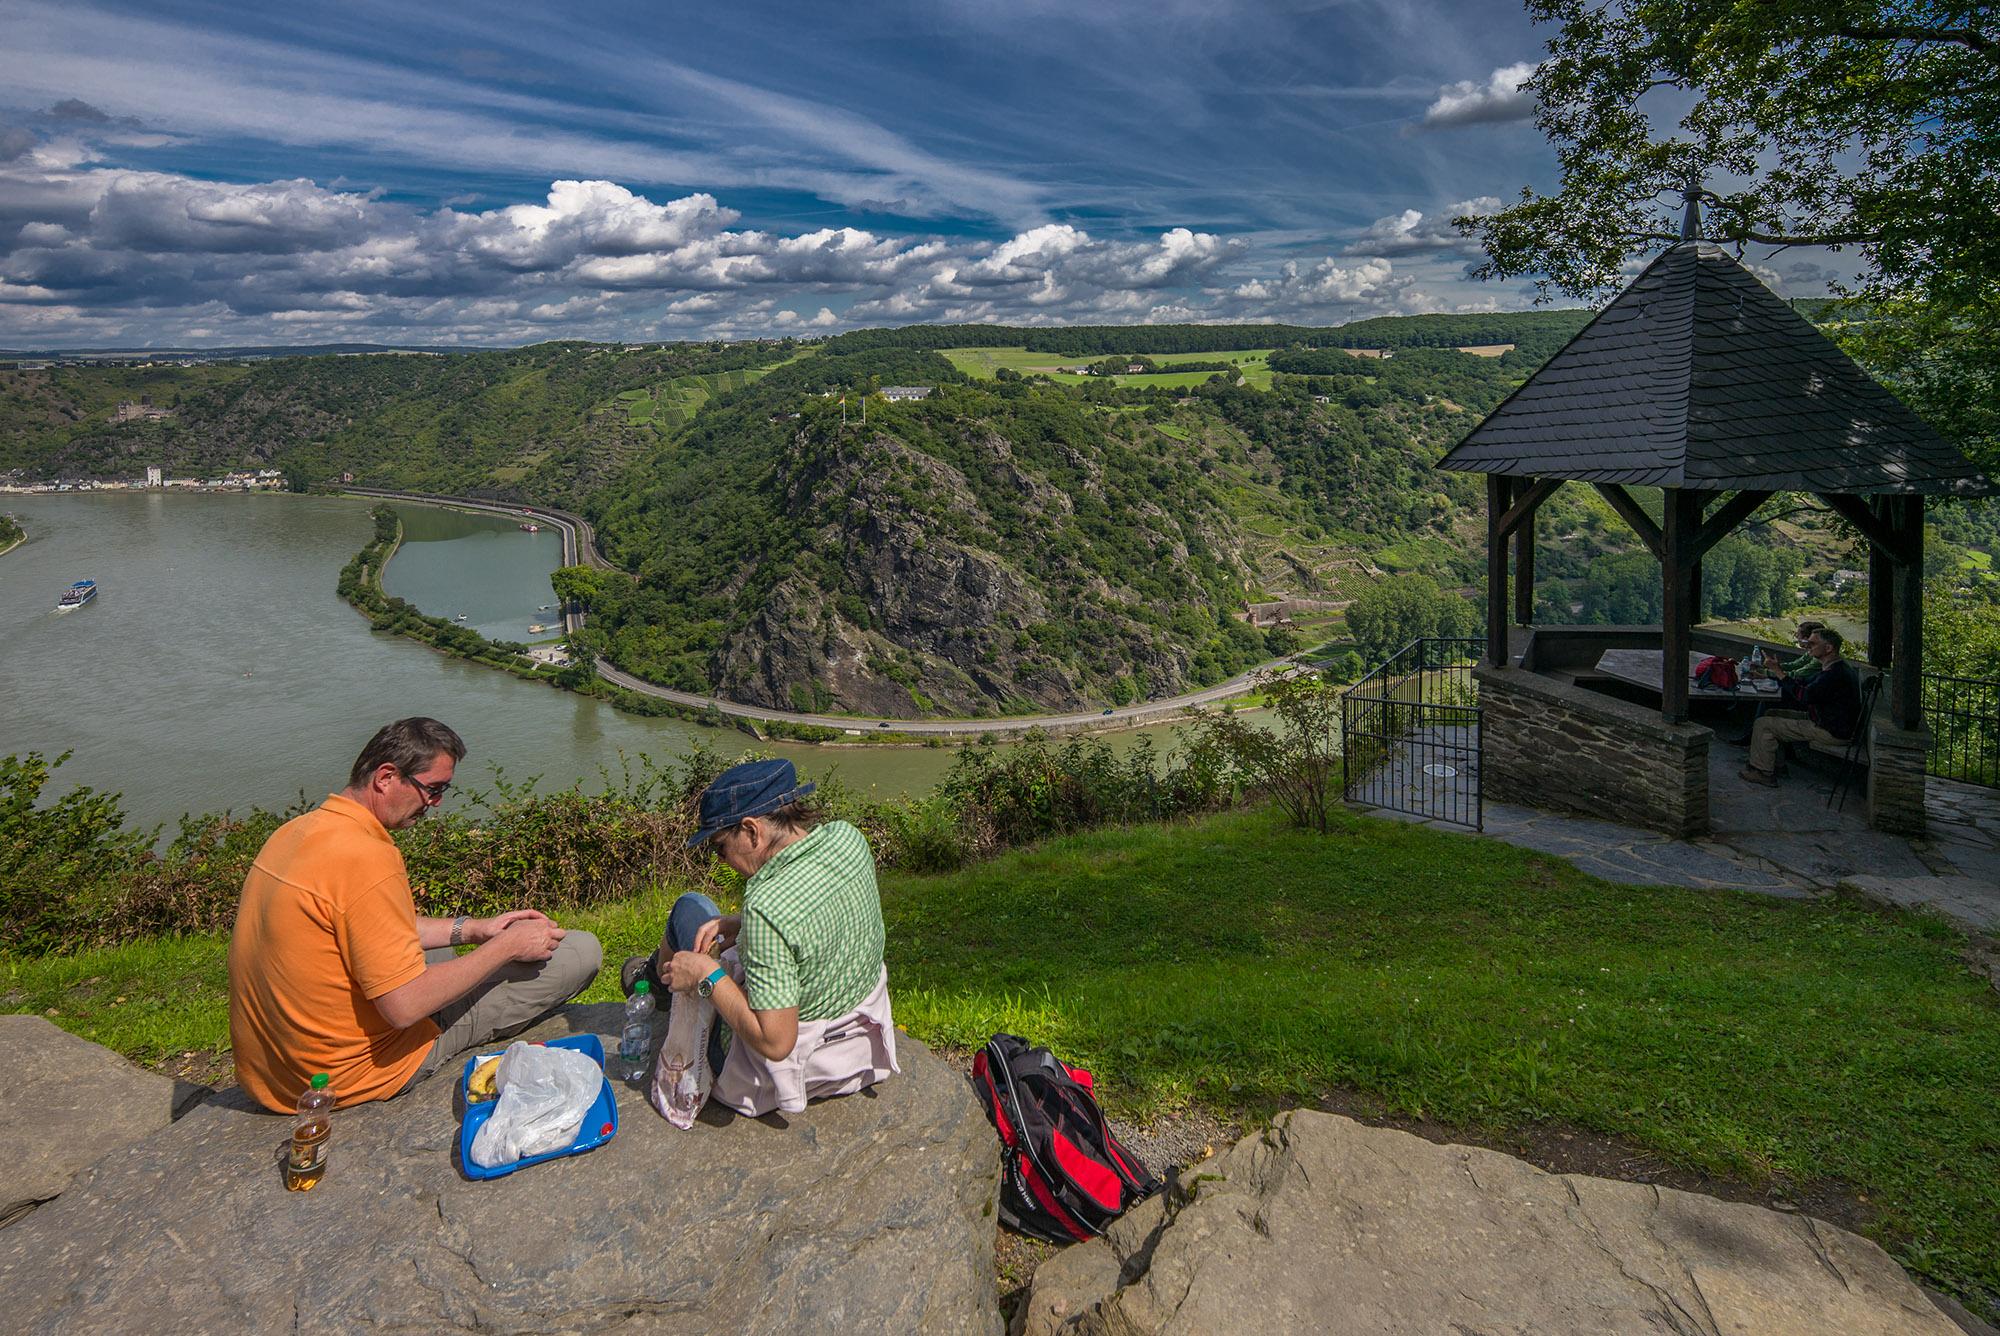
580, 544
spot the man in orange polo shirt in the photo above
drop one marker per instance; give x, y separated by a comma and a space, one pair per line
331, 968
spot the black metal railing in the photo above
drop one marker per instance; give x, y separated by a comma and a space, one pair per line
1963, 716
1410, 736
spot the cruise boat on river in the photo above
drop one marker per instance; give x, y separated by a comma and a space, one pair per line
77, 595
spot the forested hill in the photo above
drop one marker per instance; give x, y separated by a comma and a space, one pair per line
1013, 544
1047, 530
1539, 333
551, 422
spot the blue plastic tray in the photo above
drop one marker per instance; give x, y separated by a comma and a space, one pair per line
600, 1124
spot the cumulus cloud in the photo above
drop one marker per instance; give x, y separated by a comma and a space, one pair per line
1470, 102
1413, 232
89, 249
14, 142
77, 110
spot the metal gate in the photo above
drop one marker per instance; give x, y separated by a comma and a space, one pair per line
1410, 737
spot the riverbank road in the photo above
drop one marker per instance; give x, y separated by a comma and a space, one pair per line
580, 546
1147, 712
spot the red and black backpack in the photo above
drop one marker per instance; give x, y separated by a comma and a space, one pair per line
1063, 1175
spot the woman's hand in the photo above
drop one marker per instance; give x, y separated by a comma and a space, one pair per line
718, 934
687, 969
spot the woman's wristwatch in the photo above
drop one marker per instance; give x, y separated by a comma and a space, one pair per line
707, 986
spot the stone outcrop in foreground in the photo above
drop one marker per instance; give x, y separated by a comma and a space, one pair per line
1323, 1225
870, 1213
65, 1103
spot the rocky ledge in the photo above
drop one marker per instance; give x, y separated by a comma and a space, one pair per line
870, 1213
1323, 1225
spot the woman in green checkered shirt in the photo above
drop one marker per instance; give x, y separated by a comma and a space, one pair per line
800, 980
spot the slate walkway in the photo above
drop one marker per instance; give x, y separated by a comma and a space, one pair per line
1783, 841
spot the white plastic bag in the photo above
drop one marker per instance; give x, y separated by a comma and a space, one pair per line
681, 1079
544, 1093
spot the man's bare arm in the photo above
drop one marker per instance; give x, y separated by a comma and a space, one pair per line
528, 936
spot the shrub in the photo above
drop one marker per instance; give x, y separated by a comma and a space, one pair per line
1296, 764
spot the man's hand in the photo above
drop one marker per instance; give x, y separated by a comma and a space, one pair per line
718, 934
528, 936
486, 929
687, 969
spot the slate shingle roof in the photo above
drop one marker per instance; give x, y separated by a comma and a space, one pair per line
1698, 375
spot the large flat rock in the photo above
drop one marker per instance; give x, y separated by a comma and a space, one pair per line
1323, 1225
869, 1213
65, 1102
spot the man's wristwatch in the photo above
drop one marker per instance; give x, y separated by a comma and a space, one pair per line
458, 930
707, 986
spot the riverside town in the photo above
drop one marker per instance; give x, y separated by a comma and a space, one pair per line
1326, 669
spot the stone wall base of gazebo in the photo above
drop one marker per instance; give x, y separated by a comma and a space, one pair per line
1896, 778
1550, 744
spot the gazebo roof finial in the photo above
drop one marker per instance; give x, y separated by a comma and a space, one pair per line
1691, 216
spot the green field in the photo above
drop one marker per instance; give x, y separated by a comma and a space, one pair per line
981, 363
675, 402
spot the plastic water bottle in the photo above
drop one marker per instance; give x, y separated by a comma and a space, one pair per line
637, 1036
305, 1165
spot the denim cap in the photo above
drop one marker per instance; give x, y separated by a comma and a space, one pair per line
754, 788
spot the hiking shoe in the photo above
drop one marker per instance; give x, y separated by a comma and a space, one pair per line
1751, 774
637, 968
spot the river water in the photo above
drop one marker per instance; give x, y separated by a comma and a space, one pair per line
218, 668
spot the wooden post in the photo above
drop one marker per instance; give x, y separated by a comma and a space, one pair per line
1881, 594
1683, 519
1524, 563
1497, 494
1906, 697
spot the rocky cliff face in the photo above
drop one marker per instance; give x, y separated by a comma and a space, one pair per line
951, 580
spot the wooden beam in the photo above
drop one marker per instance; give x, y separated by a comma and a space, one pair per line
1524, 554
1872, 525
1881, 597
1906, 699
1529, 493
1730, 514
1498, 491
1630, 511
1676, 617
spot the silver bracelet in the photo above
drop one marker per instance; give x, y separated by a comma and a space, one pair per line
458, 930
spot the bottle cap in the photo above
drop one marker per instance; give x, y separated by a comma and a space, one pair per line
643, 986
319, 1080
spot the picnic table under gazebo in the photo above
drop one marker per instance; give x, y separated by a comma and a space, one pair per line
1698, 380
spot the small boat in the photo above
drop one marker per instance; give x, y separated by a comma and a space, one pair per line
531, 528
545, 607
459, 618
77, 595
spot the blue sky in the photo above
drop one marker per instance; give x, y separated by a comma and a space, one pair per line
506, 173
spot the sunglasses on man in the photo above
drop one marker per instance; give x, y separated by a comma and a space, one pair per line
433, 792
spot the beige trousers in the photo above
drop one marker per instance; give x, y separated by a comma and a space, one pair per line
1778, 727
518, 995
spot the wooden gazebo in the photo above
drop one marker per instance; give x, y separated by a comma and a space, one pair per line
1697, 379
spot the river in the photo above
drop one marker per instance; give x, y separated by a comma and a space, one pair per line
218, 669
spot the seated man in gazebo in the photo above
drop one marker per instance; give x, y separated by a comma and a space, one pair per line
1821, 708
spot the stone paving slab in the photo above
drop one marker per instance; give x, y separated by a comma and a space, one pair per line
1971, 903
1784, 841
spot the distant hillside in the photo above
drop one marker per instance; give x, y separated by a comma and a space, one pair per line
1006, 545
546, 422
1544, 331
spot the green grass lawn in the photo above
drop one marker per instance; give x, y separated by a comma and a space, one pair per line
1239, 965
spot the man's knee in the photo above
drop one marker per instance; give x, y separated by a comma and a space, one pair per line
578, 957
